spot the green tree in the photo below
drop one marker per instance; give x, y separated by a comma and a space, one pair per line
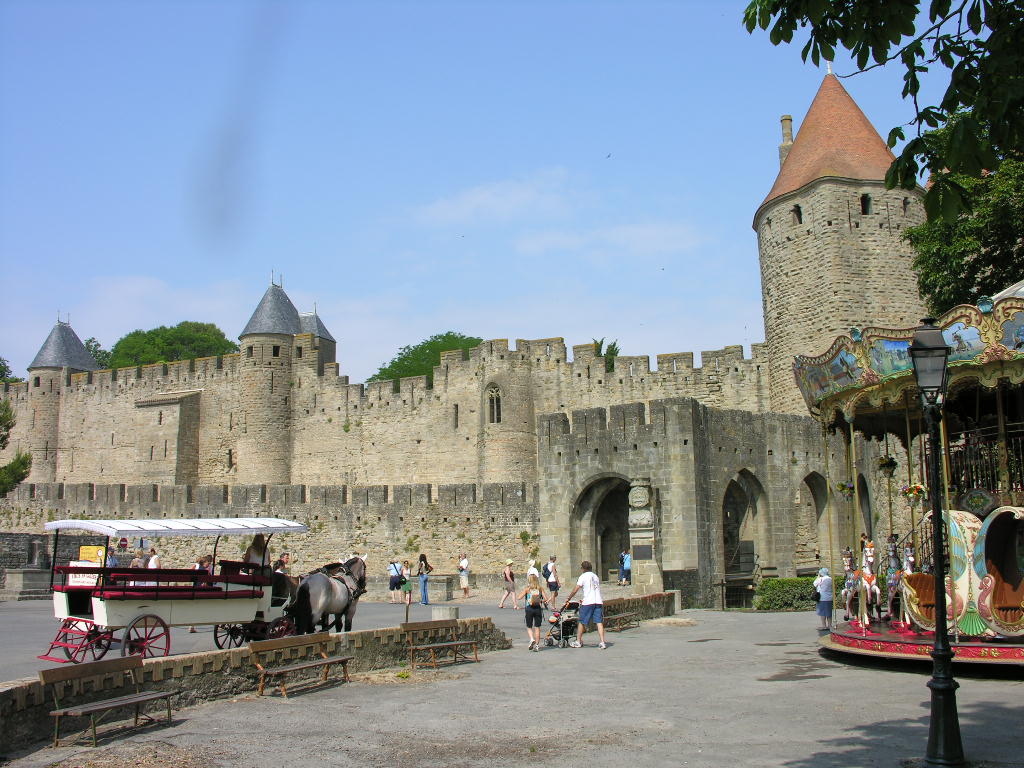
17, 470
6, 374
183, 341
980, 43
608, 354
419, 360
979, 253
100, 355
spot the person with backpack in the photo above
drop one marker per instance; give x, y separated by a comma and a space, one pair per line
550, 574
534, 599
394, 581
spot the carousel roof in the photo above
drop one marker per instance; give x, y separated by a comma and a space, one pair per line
220, 526
1015, 290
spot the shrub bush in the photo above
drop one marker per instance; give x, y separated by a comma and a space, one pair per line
785, 594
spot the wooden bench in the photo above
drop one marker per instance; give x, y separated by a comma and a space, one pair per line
620, 621
131, 666
285, 644
453, 646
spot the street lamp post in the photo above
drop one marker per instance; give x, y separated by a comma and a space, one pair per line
930, 355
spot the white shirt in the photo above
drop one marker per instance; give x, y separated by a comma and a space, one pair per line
154, 561
824, 586
464, 564
532, 571
552, 573
591, 588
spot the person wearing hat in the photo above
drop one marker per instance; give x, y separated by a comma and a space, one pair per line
509, 583
531, 569
823, 586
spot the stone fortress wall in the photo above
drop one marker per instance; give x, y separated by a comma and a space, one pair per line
191, 422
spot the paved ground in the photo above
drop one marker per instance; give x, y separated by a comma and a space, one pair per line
736, 689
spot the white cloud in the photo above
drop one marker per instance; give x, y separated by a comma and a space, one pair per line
639, 239
543, 193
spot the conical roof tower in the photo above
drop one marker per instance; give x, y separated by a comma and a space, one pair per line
63, 349
275, 314
830, 239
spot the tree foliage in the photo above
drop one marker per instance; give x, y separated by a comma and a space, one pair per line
982, 251
17, 470
99, 354
6, 374
979, 42
183, 341
419, 360
608, 354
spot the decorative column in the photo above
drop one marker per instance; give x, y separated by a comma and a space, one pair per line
643, 537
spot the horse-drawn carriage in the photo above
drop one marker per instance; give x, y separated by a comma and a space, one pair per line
242, 599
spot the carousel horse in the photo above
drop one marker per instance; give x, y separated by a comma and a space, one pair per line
850, 582
867, 581
334, 589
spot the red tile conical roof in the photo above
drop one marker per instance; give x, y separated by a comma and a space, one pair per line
835, 139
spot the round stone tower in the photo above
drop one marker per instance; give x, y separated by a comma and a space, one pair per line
264, 447
830, 239
61, 355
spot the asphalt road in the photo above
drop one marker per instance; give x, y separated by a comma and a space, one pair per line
737, 689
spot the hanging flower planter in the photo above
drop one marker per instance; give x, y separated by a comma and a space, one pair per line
914, 491
887, 465
846, 489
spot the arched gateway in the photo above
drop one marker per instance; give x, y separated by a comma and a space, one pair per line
599, 526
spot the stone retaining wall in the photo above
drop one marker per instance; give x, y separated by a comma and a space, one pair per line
25, 706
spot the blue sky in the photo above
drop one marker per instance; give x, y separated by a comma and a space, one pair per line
503, 169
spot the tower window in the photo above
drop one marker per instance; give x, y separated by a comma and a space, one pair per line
231, 458
151, 452
248, 351
798, 214
494, 405
160, 417
298, 351
865, 204
276, 351
906, 205
455, 416
35, 382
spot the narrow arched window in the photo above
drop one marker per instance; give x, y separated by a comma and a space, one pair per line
865, 204
493, 405
798, 215
906, 205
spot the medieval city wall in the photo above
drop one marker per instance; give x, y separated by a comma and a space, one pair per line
491, 523
193, 422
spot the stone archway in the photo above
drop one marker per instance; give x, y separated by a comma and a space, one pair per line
811, 533
744, 525
599, 526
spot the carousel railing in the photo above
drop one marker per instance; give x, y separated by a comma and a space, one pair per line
976, 459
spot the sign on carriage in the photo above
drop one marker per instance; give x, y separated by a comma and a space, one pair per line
92, 554
82, 579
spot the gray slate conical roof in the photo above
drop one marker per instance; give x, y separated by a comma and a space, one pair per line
63, 349
311, 323
275, 314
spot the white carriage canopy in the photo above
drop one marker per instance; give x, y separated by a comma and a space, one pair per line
221, 526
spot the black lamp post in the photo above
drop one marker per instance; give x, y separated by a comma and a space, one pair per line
930, 354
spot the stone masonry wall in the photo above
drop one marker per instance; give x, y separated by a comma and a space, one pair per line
835, 270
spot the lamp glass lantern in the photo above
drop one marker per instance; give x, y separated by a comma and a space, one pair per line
930, 355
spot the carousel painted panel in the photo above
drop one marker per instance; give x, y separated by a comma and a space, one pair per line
999, 566
963, 584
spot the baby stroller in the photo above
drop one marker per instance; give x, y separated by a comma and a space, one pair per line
562, 625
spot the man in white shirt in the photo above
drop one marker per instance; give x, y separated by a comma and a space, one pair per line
592, 606
464, 574
532, 570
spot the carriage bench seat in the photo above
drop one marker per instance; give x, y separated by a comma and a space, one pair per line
140, 592
453, 646
620, 621
67, 676
265, 652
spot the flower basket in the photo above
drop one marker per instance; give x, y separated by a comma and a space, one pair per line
887, 465
845, 488
914, 492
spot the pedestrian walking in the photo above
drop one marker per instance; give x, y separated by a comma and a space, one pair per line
464, 574
550, 574
394, 581
626, 567
423, 569
533, 598
509, 584
591, 607
823, 586
407, 581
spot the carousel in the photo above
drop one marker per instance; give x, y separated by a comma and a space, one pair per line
865, 388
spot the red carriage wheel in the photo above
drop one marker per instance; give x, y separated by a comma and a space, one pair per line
229, 635
146, 636
282, 626
93, 646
